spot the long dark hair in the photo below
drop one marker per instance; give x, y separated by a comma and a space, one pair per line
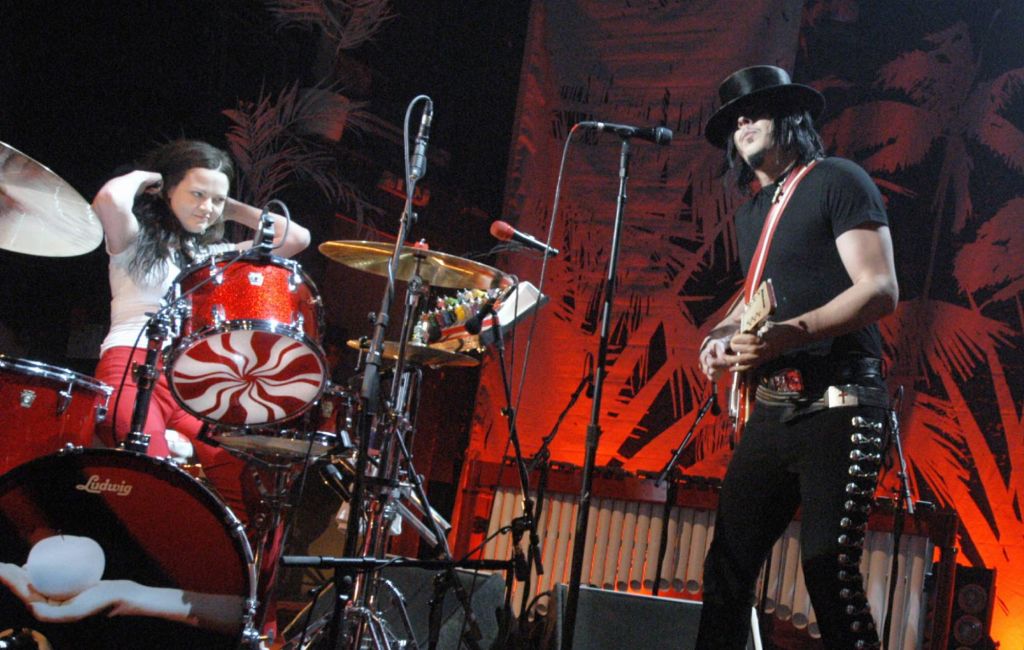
160, 232
793, 132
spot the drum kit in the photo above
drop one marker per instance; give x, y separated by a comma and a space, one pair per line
244, 356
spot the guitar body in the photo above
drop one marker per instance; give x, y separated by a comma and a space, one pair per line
755, 314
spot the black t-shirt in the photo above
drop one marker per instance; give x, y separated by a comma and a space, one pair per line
803, 261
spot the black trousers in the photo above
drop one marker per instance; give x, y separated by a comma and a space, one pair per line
777, 467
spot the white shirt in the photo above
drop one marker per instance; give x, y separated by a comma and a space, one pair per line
131, 300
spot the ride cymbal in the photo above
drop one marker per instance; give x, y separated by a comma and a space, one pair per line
437, 269
40, 214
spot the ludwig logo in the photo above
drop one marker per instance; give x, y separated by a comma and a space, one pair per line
95, 486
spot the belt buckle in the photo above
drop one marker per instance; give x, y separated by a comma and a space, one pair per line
788, 380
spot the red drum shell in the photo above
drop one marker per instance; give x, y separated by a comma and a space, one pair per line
248, 350
43, 408
157, 525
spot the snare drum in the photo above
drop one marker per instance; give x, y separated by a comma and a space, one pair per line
248, 345
321, 430
44, 407
154, 525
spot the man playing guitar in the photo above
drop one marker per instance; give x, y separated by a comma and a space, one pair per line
816, 228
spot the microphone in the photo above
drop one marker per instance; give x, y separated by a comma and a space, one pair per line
475, 323
716, 410
418, 165
657, 134
505, 232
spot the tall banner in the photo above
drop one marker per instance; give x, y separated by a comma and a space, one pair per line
927, 96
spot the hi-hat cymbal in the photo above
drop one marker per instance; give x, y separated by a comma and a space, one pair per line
40, 214
420, 355
437, 269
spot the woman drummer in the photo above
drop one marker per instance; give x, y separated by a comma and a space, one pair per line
158, 219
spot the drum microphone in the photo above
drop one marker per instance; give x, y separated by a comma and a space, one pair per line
264, 240
505, 232
418, 165
657, 134
475, 323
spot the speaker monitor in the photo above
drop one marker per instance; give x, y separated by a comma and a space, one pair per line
973, 597
613, 620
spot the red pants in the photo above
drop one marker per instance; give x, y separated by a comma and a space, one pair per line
226, 472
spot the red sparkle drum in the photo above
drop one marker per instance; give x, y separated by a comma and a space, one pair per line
44, 407
120, 543
248, 346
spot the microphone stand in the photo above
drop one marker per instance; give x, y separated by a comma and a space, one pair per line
369, 397
904, 505
541, 457
673, 487
528, 522
594, 428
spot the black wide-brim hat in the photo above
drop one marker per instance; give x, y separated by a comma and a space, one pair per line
759, 85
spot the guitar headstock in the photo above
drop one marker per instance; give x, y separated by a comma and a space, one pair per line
759, 309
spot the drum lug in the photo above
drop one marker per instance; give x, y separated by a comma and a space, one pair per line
295, 279
218, 315
27, 399
298, 322
218, 277
65, 400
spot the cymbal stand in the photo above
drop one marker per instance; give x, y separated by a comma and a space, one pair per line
268, 526
382, 508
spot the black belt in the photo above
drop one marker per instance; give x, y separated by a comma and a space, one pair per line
819, 386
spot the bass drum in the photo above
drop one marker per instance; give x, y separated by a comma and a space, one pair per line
80, 516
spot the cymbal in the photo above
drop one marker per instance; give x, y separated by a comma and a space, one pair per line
40, 214
436, 268
421, 355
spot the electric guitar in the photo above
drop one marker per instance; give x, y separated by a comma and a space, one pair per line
755, 314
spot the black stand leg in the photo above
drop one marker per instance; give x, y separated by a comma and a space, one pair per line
594, 429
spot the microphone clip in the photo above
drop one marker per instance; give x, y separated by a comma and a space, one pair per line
264, 241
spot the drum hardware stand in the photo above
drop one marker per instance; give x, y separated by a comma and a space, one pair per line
157, 330
374, 619
594, 428
672, 466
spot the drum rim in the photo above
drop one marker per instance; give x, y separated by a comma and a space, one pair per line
57, 373
172, 354
207, 498
259, 258
173, 293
